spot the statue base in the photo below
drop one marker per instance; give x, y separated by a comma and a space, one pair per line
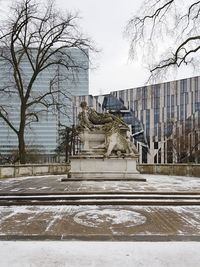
105, 156
98, 167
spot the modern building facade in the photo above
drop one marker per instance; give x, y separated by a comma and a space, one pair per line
169, 116
43, 135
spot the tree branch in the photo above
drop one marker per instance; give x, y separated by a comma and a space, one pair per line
7, 121
177, 59
160, 22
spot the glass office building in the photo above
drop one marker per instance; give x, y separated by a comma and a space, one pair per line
44, 134
169, 116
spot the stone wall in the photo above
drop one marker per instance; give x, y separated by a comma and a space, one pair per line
9, 171
170, 169
56, 168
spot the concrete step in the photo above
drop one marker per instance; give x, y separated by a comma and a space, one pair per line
98, 196
68, 193
101, 179
101, 199
102, 202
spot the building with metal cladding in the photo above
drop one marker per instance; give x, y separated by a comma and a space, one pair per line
43, 135
166, 116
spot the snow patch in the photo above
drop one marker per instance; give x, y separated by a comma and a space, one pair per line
98, 218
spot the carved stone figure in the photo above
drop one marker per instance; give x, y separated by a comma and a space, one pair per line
111, 127
115, 141
90, 118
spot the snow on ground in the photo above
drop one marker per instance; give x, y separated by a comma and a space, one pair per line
53, 183
96, 218
105, 254
99, 254
111, 221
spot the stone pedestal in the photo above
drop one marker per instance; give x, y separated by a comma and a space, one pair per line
92, 163
90, 140
98, 167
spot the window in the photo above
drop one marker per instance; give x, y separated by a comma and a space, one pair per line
183, 85
182, 99
159, 156
181, 112
197, 106
196, 85
144, 103
144, 155
155, 145
156, 116
147, 116
172, 112
138, 94
186, 98
172, 100
141, 116
136, 105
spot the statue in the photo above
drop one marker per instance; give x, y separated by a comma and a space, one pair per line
107, 152
114, 130
90, 119
115, 141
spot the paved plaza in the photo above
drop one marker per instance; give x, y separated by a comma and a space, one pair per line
52, 183
129, 222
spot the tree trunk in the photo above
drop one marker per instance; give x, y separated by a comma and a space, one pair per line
22, 150
21, 139
67, 147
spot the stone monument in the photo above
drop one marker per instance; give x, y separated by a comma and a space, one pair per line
107, 152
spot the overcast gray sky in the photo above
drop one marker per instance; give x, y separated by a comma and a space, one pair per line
104, 21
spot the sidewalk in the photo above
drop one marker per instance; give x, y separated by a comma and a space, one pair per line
99, 254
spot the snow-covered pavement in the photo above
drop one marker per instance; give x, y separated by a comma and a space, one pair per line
50, 184
99, 254
31, 224
133, 221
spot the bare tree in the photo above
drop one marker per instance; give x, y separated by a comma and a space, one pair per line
168, 29
182, 141
69, 142
42, 37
